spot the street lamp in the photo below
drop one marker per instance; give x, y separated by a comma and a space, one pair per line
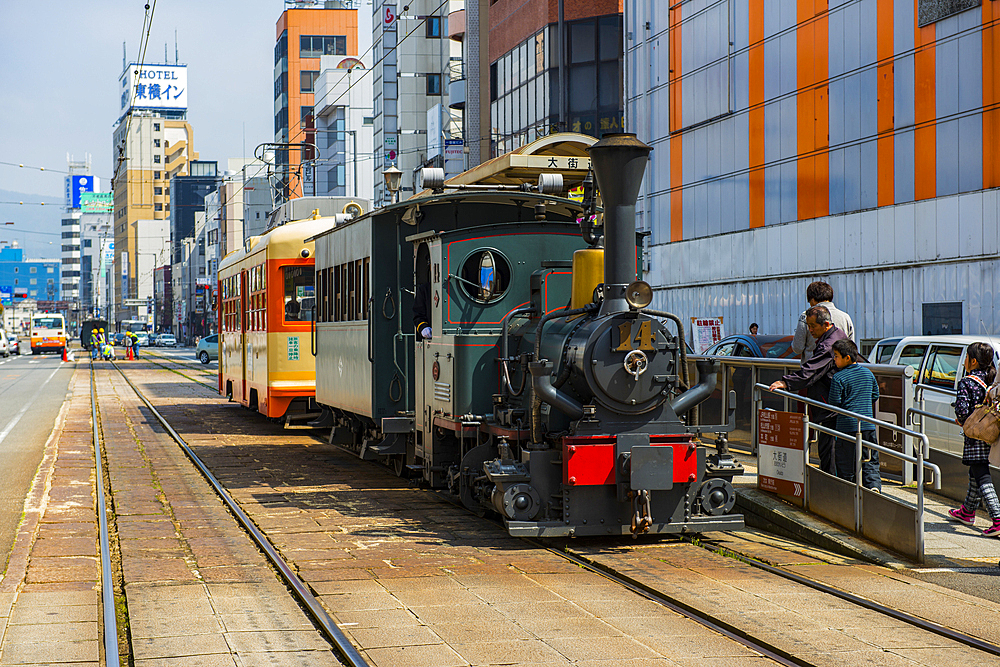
392, 176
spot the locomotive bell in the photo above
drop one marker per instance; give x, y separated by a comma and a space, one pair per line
619, 162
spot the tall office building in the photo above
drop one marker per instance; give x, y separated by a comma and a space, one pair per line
554, 66
856, 143
153, 143
305, 33
344, 129
414, 64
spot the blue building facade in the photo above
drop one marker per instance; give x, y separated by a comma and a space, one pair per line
21, 278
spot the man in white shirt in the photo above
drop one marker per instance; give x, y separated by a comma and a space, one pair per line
819, 294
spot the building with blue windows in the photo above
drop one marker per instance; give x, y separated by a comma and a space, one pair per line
20, 278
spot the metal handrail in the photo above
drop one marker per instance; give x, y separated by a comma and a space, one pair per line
928, 387
924, 450
918, 460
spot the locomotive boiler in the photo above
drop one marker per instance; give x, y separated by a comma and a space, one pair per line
547, 391
601, 386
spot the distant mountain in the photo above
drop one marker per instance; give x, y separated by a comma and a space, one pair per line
36, 228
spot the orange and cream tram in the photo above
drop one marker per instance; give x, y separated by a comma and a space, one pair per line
266, 303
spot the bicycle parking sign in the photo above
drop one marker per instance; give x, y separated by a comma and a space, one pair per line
780, 454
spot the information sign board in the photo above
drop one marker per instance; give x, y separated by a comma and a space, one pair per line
780, 452
706, 332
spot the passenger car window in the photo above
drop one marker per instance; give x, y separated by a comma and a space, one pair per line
942, 366
884, 354
912, 356
779, 349
744, 351
724, 350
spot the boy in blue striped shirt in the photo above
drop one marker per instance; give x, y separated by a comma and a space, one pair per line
854, 388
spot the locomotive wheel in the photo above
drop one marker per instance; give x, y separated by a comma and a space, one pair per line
399, 465
473, 461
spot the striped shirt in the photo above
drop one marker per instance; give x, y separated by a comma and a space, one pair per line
853, 388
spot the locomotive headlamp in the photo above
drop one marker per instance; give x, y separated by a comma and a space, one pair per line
304, 253
639, 294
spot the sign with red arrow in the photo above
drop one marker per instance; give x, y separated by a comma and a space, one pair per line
780, 453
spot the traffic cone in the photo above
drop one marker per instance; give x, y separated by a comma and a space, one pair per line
65, 357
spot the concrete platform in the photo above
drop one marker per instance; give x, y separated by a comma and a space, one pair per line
947, 544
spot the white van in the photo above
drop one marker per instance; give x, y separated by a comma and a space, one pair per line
938, 363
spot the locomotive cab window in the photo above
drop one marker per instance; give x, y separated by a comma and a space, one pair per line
300, 298
485, 275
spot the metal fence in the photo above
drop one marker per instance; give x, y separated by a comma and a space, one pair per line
882, 519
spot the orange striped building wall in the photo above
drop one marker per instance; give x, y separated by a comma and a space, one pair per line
803, 138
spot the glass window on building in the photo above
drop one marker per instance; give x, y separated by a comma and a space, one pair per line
433, 84
33, 269
314, 46
157, 191
156, 159
156, 143
281, 47
307, 81
51, 269
433, 25
156, 127
33, 281
157, 207
307, 117
281, 85
156, 175
87, 243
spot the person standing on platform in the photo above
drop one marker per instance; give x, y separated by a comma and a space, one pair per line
819, 294
854, 388
815, 376
980, 372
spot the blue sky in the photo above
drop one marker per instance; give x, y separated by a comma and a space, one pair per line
59, 66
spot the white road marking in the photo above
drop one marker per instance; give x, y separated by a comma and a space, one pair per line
954, 570
20, 413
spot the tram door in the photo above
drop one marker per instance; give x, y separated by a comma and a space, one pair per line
245, 398
422, 354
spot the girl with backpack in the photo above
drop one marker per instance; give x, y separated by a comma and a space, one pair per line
980, 372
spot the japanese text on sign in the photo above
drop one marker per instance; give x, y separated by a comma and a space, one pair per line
706, 332
780, 452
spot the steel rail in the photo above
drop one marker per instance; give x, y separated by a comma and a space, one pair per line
687, 611
179, 367
326, 624
871, 605
107, 585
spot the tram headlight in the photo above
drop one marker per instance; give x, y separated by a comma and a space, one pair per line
304, 252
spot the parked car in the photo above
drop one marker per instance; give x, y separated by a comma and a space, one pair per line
746, 345
142, 338
938, 363
13, 344
118, 338
208, 348
882, 352
166, 340
4, 345
152, 339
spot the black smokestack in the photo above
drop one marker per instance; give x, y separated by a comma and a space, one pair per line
619, 162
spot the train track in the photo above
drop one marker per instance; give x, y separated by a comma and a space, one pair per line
347, 652
741, 635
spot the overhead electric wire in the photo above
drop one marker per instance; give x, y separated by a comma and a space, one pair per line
147, 26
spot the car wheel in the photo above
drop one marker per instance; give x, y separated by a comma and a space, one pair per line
203, 356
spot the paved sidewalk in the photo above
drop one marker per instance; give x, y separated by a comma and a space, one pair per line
946, 543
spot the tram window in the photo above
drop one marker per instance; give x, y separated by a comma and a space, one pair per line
300, 298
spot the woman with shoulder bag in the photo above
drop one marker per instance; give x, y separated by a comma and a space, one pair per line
980, 372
